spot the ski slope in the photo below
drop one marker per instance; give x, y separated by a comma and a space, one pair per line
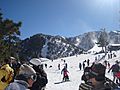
54, 75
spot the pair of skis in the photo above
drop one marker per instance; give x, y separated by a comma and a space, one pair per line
62, 82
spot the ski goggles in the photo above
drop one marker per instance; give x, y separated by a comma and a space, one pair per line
33, 77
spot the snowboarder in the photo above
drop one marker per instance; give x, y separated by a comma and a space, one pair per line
65, 74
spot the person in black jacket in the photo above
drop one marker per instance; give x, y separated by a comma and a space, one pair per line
41, 79
115, 69
94, 78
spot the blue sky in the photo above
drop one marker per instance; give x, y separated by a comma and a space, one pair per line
62, 17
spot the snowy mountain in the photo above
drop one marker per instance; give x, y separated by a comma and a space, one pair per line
114, 37
88, 40
52, 47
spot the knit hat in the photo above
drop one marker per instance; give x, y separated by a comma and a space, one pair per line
35, 61
26, 70
12, 58
86, 74
98, 72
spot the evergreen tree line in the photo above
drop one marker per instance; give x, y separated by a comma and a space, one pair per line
9, 37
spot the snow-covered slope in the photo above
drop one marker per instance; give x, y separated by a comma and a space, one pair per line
95, 49
54, 75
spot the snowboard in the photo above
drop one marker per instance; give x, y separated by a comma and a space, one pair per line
62, 82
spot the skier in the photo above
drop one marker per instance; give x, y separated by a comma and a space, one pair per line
65, 64
105, 62
108, 65
88, 62
115, 69
80, 66
108, 56
65, 74
83, 65
58, 66
45, 65
96, 59
118, 77
114, 55
111, 55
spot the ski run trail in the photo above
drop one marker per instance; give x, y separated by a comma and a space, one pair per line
55, 76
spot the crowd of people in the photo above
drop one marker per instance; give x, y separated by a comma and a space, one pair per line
31, 75
94, 76
17, 76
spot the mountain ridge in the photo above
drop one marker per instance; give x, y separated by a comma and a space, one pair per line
53, 47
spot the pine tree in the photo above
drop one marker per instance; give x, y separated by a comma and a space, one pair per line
103, 40
9, 37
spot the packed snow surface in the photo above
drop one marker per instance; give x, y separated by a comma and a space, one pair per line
54, 75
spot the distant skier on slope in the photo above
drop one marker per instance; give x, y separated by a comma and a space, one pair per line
80, 66
65, 74
58, 66
83, 65
88, 62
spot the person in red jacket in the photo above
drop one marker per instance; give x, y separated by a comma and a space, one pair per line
65, 74
115, 69
118, 77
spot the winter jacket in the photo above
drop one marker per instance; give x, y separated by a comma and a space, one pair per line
102, 86
39, 83
19, 84
41, 79
65, 72
118, 74
85, 86
6, 76
89, 86
115, 68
